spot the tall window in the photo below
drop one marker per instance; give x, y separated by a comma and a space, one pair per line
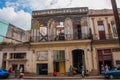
100, 26
59, 55
17, 55
101, 30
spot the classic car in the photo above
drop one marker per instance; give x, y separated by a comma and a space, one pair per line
115, 73
3, 73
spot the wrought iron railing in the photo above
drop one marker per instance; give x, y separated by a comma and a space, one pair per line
104, 37
61, 37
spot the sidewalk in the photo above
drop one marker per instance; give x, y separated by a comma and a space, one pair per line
61, 78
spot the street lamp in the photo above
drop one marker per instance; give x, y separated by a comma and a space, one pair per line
116, 16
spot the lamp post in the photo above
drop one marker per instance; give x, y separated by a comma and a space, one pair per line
116, 16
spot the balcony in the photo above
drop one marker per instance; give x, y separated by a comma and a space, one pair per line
61, 37
17, 60
107, 38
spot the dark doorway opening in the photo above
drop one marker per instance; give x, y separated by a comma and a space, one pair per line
78, 59
42, 69
104, 58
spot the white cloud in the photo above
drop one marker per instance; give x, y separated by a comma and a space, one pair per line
48, 4
23, 19
20, 18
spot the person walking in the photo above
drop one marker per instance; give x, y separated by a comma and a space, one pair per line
10, 71
83, 71
71, 71
102, 69
106, 68
21, 75
16, 72
21, 70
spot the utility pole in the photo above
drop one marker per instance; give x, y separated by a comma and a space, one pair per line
116, 16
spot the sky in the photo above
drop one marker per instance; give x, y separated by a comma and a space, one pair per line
18, 12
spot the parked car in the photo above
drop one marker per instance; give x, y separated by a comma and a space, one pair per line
4, 73
115, 73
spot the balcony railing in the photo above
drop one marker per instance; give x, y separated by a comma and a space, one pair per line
24, 59
104, 37
61, 37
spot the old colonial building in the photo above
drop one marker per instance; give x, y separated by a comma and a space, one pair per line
12, 34
60, 38
13, 52
105, 45
74, 36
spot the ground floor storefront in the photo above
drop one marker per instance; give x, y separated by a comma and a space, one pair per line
59, 57
105, 55
45, 59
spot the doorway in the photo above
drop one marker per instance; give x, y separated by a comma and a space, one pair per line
104, 58
59, 67
78, 59
59, 62
42, 69
14, 66
21, 66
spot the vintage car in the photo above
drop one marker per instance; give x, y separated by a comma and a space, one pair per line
3, 73
115, 73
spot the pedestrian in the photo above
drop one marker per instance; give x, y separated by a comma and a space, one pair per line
106, 68
16, 72
55, 73
21, 75
21, 70
71, 71
102, 69
10, 71
83, 71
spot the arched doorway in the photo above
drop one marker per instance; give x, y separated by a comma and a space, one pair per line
78, 59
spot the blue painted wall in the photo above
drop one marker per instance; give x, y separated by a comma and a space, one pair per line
3, 29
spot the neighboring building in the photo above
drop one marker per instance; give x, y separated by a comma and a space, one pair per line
105, 45
60, 38
13, 48
16, 55
12, 34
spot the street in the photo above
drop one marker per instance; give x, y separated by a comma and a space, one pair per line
61, 78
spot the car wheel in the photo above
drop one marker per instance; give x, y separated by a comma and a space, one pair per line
111, 76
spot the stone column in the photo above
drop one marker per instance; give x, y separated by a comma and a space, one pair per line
8, 63
50, 62
67, 60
